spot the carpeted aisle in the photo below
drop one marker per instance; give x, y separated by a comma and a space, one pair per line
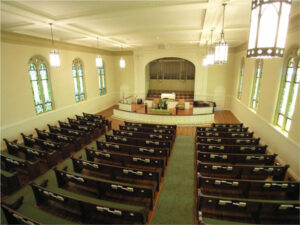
176, 201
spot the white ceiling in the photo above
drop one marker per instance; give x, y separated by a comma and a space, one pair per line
131, 24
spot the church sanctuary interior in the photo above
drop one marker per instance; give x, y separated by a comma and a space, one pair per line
150, 112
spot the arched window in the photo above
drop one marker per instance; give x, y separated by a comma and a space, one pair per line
256, 84
40, 84
240, 86
288, 93
77, 72
101, 80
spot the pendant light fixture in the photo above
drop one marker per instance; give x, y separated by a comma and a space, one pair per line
54, 55
122, 61
210, 56
99, 61
268, 28
221, 50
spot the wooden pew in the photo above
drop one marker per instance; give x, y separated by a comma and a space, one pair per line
63, 148
238, 149
30, 215
138, 141
148, 130
143, 176
9, 182
229, 125
101, 120
222, 129
162, 137
257, 172
89, 115
108, 189
156, 126
11, 162
231, 141
98, 129
13, 148
79, 135
224, 134
75, 142
248, 210
88, 131
133, 149
123, 159
231, 158
90, 210
257, 189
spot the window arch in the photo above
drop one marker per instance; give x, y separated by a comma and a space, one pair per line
77, 72
101, 80
240, 84
256, 84
288, 93
39, 79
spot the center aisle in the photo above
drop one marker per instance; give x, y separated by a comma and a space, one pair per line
176, 200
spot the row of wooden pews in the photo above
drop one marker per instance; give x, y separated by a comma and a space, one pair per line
44, 149
112, 183
239, 180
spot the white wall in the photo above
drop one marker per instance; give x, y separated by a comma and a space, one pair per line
17, 106
261, 121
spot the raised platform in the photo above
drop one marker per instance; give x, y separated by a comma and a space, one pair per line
183, 119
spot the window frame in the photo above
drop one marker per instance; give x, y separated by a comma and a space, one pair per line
292, 83
241, 79
37, 61
77, 62
256, 80
102, 90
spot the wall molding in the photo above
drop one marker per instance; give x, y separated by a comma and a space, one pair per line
22, 39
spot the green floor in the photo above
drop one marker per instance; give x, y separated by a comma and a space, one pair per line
176, 201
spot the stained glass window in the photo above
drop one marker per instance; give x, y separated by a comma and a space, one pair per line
256, 85
40, 84
288, 93
101, 80
77, 73
240, 86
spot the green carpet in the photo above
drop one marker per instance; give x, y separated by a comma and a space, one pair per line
176, 201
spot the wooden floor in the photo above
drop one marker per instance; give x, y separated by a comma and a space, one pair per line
223, 116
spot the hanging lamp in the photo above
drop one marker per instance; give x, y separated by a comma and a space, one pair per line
122, 61
210, 56
99, 61
54, 54
268, 28
221, 50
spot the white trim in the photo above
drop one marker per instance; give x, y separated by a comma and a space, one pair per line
164, 119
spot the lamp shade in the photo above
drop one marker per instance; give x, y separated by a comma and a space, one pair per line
122, 63
99, 62
221, 52
54, 58
268, 28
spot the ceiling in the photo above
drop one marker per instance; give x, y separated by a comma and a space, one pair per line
131, 24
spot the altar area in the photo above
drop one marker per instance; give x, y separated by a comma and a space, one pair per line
144, 113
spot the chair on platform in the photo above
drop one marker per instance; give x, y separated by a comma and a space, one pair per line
180, 104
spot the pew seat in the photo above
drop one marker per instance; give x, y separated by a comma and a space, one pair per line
9, 182
89, 210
